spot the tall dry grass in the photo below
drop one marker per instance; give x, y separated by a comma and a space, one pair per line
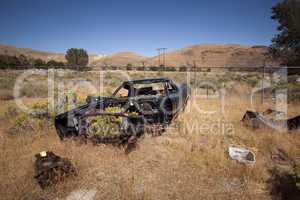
189, 161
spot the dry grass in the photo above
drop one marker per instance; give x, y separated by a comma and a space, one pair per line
186, 162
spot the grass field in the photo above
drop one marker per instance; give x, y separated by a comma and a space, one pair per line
189, 161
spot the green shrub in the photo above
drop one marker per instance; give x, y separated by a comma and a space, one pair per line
21, 124
53, 63
129, 66
170, 69
104, 125
41, 111
77, 57
39, 63
183, 69
7, 61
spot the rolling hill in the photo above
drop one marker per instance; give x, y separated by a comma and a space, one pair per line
217, 56
12, 50
15, 51
210, 55
121, 59
207, 55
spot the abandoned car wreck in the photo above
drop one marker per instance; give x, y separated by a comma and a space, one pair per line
133, 106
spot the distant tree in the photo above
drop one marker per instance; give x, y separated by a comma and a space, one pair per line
153, 68
286, 44
3, 62
142, 68
53, 63
39, 63
7, 61
143, 62
13, 61
23, 60
183, 69
77, 57
129, 66
171, 69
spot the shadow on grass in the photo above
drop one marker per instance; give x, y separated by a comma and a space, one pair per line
283, 186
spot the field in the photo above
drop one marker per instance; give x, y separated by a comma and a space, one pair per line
189, 161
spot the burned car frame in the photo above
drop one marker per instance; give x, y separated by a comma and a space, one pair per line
142, 102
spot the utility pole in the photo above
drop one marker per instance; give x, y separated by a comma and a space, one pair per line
158, 51
162, 56
263, 85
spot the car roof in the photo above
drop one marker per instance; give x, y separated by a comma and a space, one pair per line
147, 81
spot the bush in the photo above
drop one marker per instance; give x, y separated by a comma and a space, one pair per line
129, 66
23, 61
40, 110
39, 63
21, 124
154, 68
7, 61
170, 69
141, 68
104, 125
182, 69
39, 118
77, 57
53, 63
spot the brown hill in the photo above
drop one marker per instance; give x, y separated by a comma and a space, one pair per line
31, 53
209, 55
217, 56
121, 59
12, 50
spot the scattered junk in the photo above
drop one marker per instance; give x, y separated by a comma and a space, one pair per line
51, 169
135, 106
280, 157
242, 155
257, 120
231, 183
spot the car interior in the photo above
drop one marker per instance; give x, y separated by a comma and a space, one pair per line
159, 88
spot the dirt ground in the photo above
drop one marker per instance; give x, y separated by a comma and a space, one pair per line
189, 161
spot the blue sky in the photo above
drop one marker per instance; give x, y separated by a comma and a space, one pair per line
141, 26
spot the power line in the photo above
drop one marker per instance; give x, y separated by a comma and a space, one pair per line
162, 56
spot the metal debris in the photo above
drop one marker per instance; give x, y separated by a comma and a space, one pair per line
242, 155
257, 120
51, 169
